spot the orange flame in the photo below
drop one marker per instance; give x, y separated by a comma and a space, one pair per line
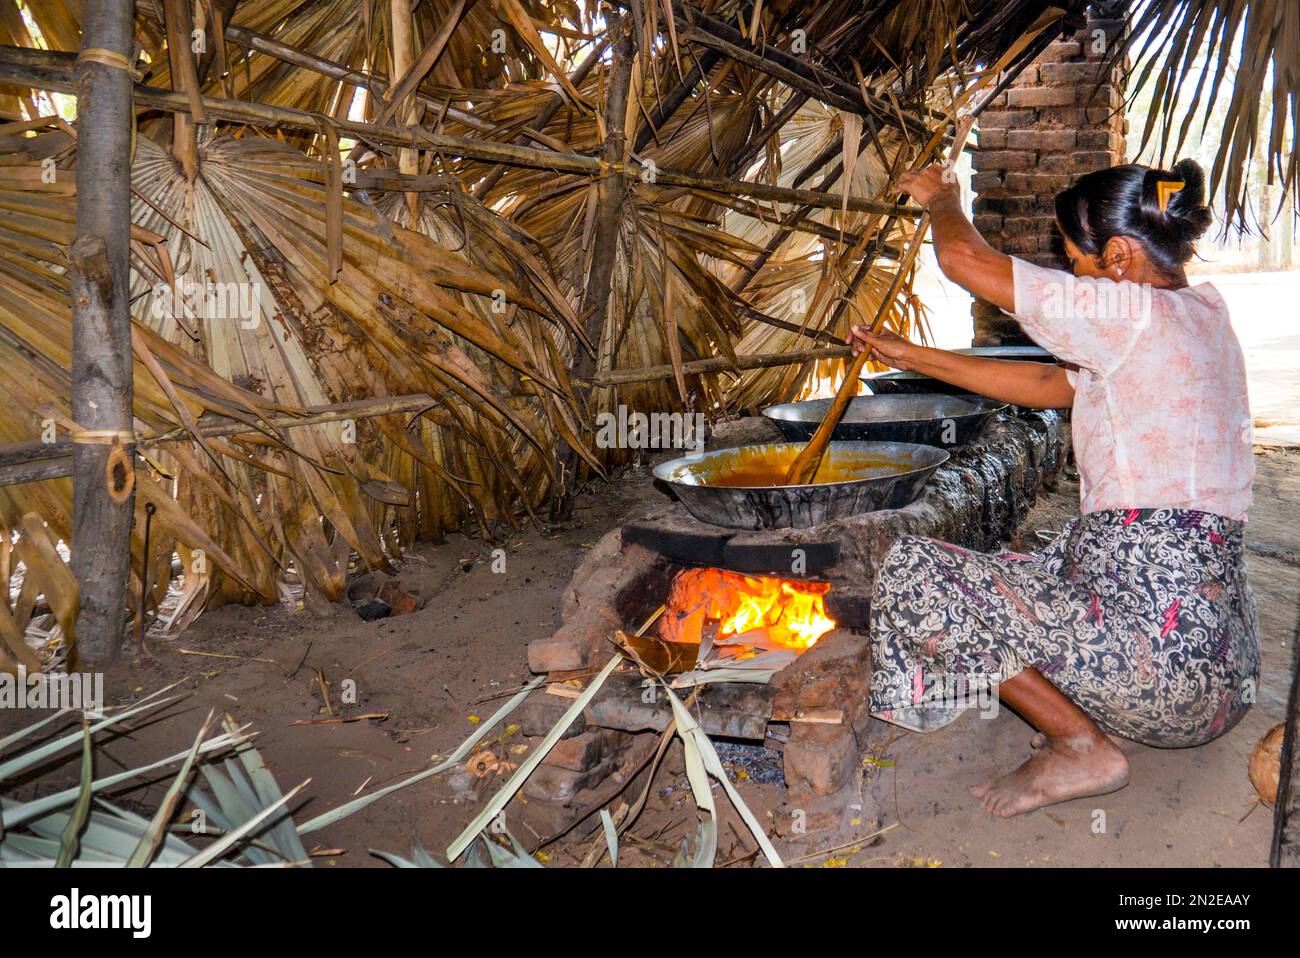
779, 612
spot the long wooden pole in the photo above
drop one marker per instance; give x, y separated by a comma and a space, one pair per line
103, 479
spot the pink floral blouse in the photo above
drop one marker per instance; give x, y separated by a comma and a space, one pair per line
1161, 417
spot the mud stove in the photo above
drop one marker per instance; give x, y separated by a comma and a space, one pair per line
805, 592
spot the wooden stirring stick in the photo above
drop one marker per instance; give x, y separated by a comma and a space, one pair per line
803, 470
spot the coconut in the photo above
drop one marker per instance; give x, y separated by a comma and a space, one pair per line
1266, 764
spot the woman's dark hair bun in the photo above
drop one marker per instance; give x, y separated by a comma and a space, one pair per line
1125, 201
1185, 216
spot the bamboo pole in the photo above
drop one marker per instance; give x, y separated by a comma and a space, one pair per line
50, 70
103, 472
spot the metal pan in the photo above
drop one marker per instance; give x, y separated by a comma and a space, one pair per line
932, 419
1024, 354
877, 475
906, 381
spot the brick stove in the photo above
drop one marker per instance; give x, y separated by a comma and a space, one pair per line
814, 710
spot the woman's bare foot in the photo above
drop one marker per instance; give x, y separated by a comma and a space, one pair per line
1060, 769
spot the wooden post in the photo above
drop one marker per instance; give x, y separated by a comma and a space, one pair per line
610, 191
401, 53
103, 470
612, 187
1285, 850
185, 77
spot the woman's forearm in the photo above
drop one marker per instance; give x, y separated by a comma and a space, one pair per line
964, 255
1036, 385
949, 227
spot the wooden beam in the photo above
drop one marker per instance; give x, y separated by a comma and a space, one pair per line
409, 80
771, 129
819, 334
401, 37
675, 97
222, 12
50, 70
103, 480
610, 190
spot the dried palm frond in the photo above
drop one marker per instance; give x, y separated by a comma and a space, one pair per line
1242, 52
242, 813
253, 221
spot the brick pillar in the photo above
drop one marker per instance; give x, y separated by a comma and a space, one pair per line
1049, 127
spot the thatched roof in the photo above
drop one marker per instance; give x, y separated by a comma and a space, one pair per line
480, 304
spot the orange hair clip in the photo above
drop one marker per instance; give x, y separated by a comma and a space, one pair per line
1164, 190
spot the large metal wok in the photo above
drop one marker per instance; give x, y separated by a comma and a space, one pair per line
721, 487
932, 419
906, 381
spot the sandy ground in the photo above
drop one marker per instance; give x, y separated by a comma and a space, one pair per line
438, 670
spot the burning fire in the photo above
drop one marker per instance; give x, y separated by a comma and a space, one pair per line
762, 611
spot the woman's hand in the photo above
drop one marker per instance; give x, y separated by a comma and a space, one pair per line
924, 185
888, 347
